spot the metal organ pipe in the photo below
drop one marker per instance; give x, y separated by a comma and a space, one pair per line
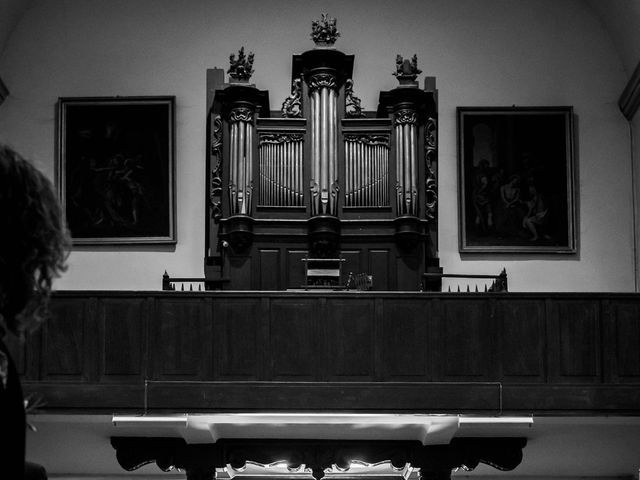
248, 164
233, 160
333, 149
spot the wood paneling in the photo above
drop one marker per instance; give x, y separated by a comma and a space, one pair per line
521, 347
295, 268
379, 268
270, 269
350, 331
323, 396
239, 268
575, 342
236, 338
408, 278
182, 349
466, 340
622, 345
123, 339
407, 341
362, 351
67, 341
294, 339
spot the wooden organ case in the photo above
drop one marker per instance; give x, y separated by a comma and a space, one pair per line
320, 178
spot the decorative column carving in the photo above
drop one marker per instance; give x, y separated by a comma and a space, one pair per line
413, 111
215, 187
236, 107
324, 143
431, 168
405, 123
325, 71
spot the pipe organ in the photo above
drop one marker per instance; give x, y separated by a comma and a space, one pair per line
320, 178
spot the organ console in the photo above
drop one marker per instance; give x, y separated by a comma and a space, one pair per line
321, 177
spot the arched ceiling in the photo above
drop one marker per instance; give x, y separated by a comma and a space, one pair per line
11, 12
621, 19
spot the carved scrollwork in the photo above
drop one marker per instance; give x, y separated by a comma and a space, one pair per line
434, 461
292, 106
366, 139
431, 164
277, 138
405, 116
322, 80
215, 187
241, 114
314, 190
353, 108
405, 69
334, 191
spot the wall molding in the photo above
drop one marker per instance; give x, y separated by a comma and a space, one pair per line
629, 101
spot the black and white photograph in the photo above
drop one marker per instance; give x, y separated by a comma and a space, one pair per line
335, 240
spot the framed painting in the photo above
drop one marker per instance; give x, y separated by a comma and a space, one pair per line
116, 169
516, 180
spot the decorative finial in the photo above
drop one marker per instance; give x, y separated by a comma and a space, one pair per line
324, 31
407, 71
242, 68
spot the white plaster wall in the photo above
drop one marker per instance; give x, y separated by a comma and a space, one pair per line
489, 53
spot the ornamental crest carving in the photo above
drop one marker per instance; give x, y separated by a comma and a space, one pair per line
241, 68
292, 106
241, 114
406, 69
277, 138
322, 80
324, 31
405, 116
353, 105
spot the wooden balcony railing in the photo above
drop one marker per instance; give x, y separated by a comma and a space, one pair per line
339, 351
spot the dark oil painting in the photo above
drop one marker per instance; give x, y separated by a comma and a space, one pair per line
115, 172
516, 180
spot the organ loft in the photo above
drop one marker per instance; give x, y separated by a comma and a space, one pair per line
320, 185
